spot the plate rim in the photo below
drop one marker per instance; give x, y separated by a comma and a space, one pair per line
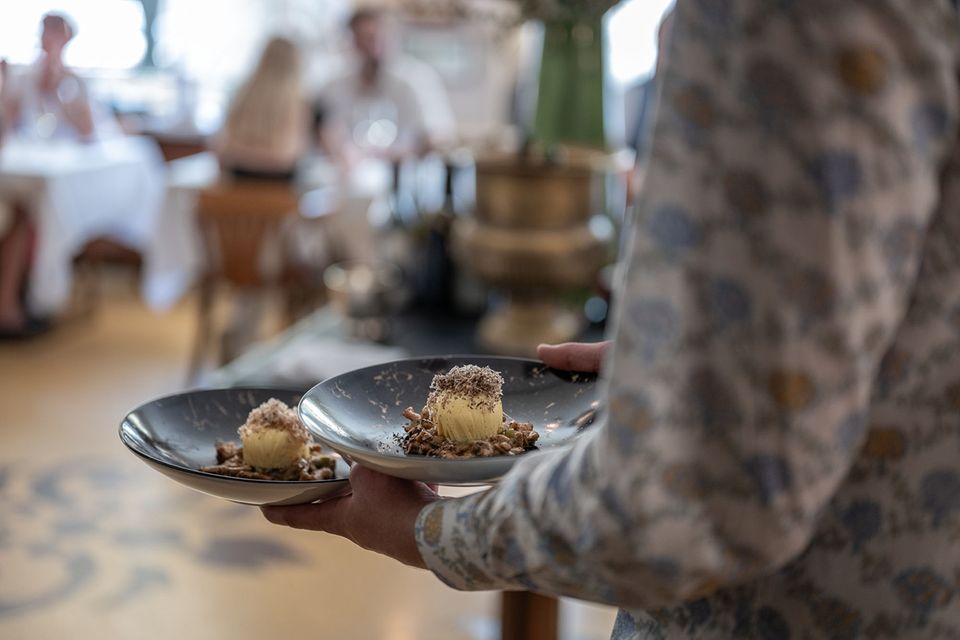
124, 438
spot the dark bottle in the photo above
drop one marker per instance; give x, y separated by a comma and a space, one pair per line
436, 272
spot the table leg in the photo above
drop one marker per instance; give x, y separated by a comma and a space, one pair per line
528, 616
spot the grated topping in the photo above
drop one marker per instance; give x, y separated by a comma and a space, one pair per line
274, 414
482, 386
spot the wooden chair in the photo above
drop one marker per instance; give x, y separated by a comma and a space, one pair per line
237, 220
95, 256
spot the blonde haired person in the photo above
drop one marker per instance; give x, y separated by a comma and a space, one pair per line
266, 127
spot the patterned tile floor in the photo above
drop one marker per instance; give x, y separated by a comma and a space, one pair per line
95, 545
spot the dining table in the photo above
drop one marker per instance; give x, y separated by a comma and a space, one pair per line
120, 189
76, 192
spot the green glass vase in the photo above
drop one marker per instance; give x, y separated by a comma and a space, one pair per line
570, 108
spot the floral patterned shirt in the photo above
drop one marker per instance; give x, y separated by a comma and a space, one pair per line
781, 457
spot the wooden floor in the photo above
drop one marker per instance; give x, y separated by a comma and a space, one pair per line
95, 545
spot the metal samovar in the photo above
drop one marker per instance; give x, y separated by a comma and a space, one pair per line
530, 239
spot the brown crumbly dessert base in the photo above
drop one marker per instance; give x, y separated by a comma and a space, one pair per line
422, 439
319, 466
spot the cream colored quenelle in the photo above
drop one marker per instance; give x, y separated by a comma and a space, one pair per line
273, 437
465, 403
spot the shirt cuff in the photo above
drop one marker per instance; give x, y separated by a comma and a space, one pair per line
448, 545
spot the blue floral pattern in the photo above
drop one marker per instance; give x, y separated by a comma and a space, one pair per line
781, 455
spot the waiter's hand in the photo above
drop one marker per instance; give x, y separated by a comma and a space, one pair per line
379, 515
574, 356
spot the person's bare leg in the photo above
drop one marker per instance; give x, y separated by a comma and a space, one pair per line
14, 258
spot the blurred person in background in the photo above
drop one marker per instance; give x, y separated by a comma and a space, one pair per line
386, 108
267, 125
387, 105
4, 74
265, 134
16, 242
16, 237
47, 100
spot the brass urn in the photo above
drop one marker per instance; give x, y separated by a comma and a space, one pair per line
530, 239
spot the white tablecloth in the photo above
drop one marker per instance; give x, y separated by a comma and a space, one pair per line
77, 192
174, 256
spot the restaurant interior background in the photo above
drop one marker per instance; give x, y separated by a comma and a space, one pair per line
152, 268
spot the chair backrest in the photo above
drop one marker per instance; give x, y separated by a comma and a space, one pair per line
238, 219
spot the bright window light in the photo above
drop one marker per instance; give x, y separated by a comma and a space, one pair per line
632, 36
109, 32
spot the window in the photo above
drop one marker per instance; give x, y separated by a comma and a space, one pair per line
217, 41
109, 32
212, 44
632, 33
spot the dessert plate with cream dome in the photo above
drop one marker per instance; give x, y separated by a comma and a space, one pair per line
361, 414
177, 435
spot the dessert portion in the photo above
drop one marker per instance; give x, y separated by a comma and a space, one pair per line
464, 418
274, 446
466, 403
273, 437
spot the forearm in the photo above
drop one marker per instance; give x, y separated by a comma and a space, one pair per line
625, 518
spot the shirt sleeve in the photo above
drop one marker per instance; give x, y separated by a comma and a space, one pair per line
794, 170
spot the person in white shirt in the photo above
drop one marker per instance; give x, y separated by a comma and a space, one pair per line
386, 105
384, 109
42, 102
47, 100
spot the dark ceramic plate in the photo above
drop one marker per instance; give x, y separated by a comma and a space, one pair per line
176, 436
360, 414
